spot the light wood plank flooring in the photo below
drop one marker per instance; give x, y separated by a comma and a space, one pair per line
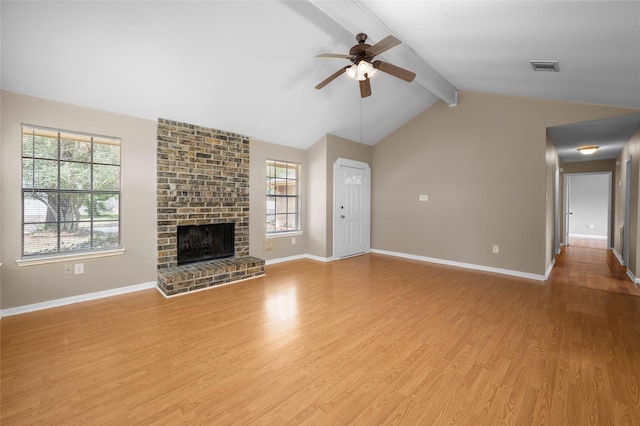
592, 268
367, 340
597, 243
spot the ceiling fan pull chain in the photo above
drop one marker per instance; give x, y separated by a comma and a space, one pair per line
361, 120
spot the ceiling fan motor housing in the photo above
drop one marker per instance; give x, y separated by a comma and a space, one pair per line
359, 51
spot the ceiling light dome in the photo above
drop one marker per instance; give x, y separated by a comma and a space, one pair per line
588, 150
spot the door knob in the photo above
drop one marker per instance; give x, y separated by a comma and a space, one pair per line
342, 216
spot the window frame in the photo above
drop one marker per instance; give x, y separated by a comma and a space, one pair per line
287, 197
60, 135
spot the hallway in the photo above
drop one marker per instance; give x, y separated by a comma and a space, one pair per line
592, 268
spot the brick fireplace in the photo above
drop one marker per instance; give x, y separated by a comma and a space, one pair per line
203, 179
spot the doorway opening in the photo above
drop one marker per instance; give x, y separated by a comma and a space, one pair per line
587, 201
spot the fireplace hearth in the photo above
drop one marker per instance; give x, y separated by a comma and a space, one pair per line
205, 242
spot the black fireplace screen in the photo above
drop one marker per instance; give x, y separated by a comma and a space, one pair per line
205, 242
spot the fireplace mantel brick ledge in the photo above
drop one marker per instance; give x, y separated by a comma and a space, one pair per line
210, 273
203, 178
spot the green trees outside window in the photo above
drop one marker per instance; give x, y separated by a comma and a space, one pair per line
70, 191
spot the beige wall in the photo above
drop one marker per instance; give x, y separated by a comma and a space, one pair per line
1, 199
282, 246
552, 167
32, 284
630, 150
483, 166
634, 147
317, 199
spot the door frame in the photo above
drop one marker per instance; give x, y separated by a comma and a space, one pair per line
557, 212
566, 206
626, 234
336, 211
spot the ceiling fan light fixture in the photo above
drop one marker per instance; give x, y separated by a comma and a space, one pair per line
361, 70
351, 71
588, 150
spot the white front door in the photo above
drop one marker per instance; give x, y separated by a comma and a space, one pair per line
351, 206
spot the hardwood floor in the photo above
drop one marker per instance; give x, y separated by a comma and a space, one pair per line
366, 340
592, 268
597, 243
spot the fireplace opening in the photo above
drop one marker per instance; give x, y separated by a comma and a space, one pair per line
205, 242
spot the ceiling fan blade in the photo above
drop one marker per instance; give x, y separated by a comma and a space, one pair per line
395, 71
385, 44
365, 87
332, 77
334, 55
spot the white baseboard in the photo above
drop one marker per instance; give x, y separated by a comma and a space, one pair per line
427, 259
285, 259
593, 237
306, 256
123, 290
320, 259
549, 268
629, 273
463, 265
617, 255
297, 257
75, 299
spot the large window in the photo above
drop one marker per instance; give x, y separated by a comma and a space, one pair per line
282, 197
70, 192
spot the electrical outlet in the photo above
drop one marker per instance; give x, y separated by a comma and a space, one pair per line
68, 270
78, 268
268, 244
496, 249
293, 240
424, 198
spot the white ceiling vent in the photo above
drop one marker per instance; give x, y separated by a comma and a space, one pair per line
545, 66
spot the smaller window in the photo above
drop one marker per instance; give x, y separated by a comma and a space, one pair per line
283, 192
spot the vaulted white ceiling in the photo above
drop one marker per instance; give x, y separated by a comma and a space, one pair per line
250, 66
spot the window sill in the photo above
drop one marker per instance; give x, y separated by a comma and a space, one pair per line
284, 234
68, 257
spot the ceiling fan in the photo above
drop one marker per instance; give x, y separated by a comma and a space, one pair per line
361, 55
